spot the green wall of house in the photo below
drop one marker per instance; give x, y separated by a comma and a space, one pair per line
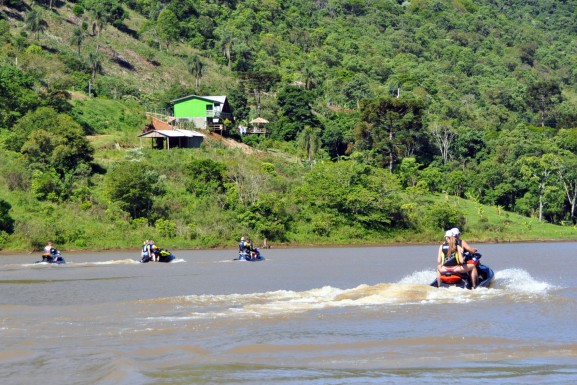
192, 108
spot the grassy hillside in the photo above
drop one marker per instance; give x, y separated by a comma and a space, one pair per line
492, 224
130, 64
148, 68
274, 193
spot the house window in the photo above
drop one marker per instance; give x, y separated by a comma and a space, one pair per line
209, 110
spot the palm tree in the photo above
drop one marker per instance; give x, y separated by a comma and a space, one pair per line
99, 18
227, 43
77, 38
35, 23
196, 68
95, 61
309, 76
309, 141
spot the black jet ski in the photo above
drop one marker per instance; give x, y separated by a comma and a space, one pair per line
245, 256
55, 258
485, 274
163, 255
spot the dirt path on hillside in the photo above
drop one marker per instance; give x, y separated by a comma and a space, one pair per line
230, 143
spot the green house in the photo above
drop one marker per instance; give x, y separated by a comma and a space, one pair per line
205, 112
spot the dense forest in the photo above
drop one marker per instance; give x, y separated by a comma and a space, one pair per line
387, 119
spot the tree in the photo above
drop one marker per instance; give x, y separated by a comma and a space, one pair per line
104, 12
239, 103
456, 182
538, 172
566, 167
468, 143
309, 76
409, 172
528, 51
34, 120
39, 147
167, 27
442, 215
296, 112
567, 139
258, 82
543, 95
6, 221
360, 194
195, 67
309, 141
46, 185
268, 216
356, 89
391, 128
443, 134
35, 23
337, 134
497, 183
17, 95
48, 139
133, 187
227, 41
77, 38
55, 150
95, 62
205, 177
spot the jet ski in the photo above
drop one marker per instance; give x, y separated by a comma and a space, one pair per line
463, 281
162, 255
245, 256
55, 258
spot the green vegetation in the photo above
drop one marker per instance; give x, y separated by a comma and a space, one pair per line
389, 121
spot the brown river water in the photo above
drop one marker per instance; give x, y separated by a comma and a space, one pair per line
363, 315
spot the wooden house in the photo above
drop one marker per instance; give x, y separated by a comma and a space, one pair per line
164, 135
205, 112
167, 139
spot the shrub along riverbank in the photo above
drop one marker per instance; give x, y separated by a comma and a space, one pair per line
210, 197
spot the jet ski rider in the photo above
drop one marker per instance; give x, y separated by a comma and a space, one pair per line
144, 254
243, 249
451, 258
471, 261
457, 234
49, 251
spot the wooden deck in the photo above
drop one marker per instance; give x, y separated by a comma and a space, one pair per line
256, 130
218, 128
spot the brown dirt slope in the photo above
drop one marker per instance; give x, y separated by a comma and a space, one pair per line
229, 143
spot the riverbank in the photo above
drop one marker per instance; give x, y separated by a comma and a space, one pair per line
297, 246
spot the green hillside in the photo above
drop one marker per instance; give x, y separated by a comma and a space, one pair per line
390, 121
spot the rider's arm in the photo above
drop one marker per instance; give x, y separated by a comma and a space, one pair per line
461, 251
467, 247
440, 255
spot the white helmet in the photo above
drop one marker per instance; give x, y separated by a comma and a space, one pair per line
449, 233
455, 231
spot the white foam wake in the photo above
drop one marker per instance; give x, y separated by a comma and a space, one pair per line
520, 281
511, 284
